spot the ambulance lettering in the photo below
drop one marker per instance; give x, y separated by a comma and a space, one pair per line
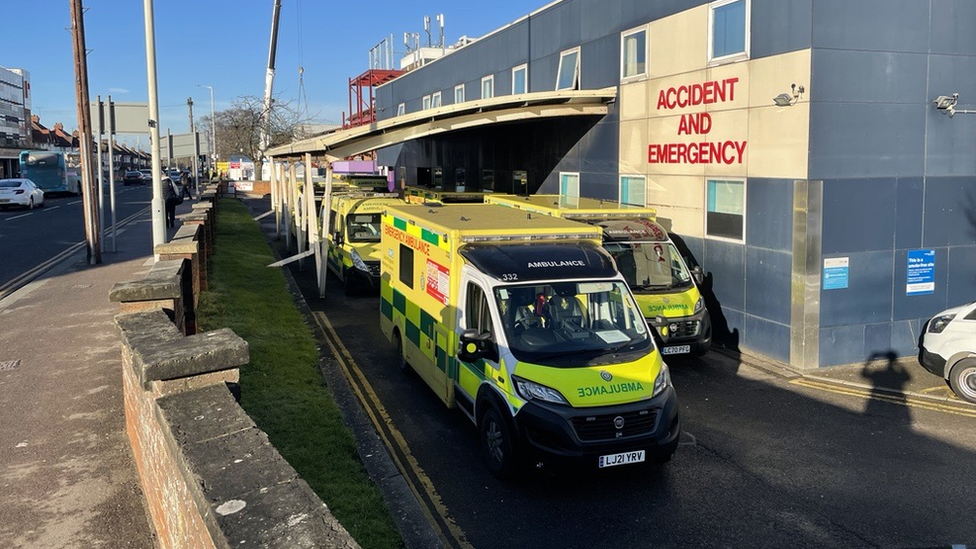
407, 239
599, 390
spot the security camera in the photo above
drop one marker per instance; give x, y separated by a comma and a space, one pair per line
946, 102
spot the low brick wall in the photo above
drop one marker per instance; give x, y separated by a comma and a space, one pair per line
211, 477
167, 286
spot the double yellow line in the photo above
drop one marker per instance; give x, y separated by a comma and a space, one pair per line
449, 533
24, 278
893, 398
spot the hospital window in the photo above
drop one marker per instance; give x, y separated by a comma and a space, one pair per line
459, 94
435, 100
569, 67
406, 265
633, 54
401, 109
633, 190
488, 87
569, 185
728, 30
477, 312
520, 79
725, 211
426, 102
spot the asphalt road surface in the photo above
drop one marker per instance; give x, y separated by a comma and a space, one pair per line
31, 238
763, 462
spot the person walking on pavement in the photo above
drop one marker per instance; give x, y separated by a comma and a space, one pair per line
172, 197
185, 186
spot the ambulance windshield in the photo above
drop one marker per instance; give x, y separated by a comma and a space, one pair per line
547, 322
363, 227
650, 265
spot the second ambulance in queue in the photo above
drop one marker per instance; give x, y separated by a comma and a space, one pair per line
523, 323
354, 238
666, 290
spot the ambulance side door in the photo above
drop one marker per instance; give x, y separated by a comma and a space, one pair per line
476, 311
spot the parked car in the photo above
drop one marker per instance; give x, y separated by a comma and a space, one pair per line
20, 192
948, 349
146, 174
133, 177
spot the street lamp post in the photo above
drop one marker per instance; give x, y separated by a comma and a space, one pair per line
213, 130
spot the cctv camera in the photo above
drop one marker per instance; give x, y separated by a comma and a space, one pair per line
945, 102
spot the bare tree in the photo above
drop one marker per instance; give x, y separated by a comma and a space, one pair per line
239, 128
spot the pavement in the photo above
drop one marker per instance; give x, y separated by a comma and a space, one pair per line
67, 475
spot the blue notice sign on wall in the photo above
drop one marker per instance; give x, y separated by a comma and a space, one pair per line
921, 272
836, 272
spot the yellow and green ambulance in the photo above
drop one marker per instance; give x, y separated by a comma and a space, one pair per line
523, 322
666, 290
422, 195
354, 238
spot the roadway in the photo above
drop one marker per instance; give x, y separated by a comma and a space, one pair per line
31, 240
766, 460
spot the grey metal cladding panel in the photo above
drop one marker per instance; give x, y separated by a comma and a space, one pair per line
950, 212
769, 213
908, 212
953, 20
768, 278
725, 263
919, 306
877, 338
779, 26
951, 142
868, 76
770, 339
858, 215
878, 25
600, 19
961, 285
866, 139
598, 185
542, 73
867, 298
595, 70
843, 345
556, 29
384, 100
598, 148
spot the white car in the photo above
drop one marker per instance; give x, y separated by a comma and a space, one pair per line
20, 192
948, 349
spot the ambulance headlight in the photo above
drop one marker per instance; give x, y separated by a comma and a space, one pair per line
939, 323
530, 390
358, 262
700, 304
663, 380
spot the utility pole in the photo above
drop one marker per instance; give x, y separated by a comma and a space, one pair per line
196, 147
85, 132
158, 221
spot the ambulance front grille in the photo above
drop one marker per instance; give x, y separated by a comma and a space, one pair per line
374, 268
592, 428
686, 328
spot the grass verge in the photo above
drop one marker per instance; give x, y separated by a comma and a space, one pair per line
282, 389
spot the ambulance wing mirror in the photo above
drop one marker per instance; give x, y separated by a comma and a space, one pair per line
337, 238
696, 273
475, 346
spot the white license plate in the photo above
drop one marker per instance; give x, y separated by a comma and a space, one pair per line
676, 350
621, 459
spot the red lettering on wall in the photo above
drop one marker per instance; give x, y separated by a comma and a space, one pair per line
695, 123
705, 93
703, 152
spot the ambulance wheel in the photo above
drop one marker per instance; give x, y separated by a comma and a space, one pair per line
962, 379
401, 359
497, 446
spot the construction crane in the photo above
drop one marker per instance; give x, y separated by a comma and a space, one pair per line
265, 135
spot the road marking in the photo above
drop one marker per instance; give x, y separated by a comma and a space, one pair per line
420, 484
893, 398
75, 202
19, 216
51, 208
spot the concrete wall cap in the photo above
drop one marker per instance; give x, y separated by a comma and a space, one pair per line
161, 282
178, 246
192, 355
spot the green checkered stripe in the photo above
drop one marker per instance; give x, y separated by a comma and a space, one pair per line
418, 327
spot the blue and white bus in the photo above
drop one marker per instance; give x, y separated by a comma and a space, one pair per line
48, 171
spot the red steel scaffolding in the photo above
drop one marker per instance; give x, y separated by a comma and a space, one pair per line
361, 109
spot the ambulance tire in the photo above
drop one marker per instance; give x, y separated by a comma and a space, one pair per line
497, 446
401, 359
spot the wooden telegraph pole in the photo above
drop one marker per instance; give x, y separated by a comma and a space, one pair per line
85, 133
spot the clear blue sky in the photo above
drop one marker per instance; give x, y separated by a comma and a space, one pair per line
223, 43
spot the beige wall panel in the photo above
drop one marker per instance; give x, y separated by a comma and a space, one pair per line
779, 139
771, 76
680, 199
679, 43
633, 147
736, 82
632, 100
730, 127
